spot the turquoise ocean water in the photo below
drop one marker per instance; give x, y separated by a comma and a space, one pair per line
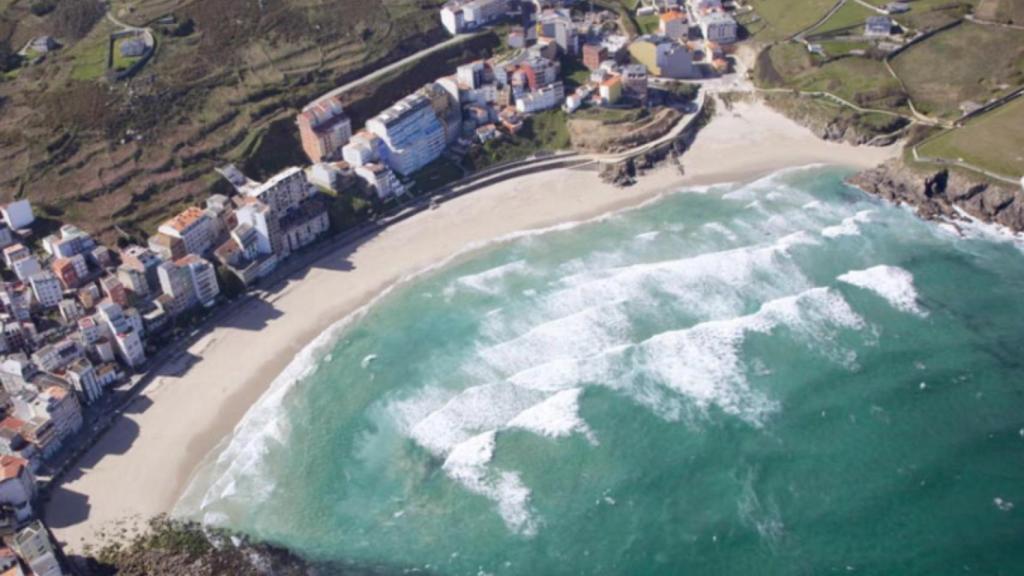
783, 377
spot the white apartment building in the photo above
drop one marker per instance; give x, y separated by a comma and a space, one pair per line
542, 99
718, 27
381, 179
194, 227
460, 16
26, 267
46, 288
17, 486
411, 132
127, 339
203, 278
284, 191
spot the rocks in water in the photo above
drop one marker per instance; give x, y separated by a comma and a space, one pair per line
939, 194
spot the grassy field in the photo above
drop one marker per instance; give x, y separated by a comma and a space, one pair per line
782, 18
546, 131
977, 63
994, 141
847, 20
863, 81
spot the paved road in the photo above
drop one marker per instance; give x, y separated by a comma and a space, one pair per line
404, 61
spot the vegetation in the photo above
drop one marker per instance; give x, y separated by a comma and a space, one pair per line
438, 173
847, 20
781, 19
174, 548
977, 63
862, 81
224, 86
993, 141
546, 131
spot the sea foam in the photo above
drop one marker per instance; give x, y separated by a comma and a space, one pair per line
894, 284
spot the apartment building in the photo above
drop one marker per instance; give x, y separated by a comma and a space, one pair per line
411, 132
324, 129
203, 279
460, 16
46, 288
194, 227
125, 334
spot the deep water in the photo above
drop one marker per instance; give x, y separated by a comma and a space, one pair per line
784, 377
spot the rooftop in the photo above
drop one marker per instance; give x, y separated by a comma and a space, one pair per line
11, 466
186, 219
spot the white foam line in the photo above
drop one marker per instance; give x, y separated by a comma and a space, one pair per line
892, 283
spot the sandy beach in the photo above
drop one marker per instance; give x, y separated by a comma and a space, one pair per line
141, 466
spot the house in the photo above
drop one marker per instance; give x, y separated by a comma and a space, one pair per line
43, 44
897, 7
486, 133
324, 129
133, 48
673, 25
18, 214
719, 27
878, 26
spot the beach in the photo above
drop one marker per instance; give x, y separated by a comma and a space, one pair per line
143, 463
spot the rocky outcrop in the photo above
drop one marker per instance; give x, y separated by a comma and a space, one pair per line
939, 194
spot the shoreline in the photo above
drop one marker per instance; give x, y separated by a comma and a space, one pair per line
145, 461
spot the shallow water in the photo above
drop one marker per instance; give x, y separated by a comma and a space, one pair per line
784, 377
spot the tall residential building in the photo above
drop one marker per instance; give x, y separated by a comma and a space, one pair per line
176, 283
203, 278
127, 338
284, 191
194, 227
144, 261
324, 129
46, 288
412, 133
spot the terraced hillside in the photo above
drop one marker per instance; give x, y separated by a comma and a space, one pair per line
226, 78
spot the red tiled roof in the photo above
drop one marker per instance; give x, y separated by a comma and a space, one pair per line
11, 466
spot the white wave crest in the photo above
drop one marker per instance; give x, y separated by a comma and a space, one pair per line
892, 283
556, 417
850, 226
468, 464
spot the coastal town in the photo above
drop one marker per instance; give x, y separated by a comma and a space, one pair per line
84, 324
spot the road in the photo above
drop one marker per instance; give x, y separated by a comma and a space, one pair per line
399, 64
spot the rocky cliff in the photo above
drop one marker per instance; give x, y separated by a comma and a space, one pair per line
939, 194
